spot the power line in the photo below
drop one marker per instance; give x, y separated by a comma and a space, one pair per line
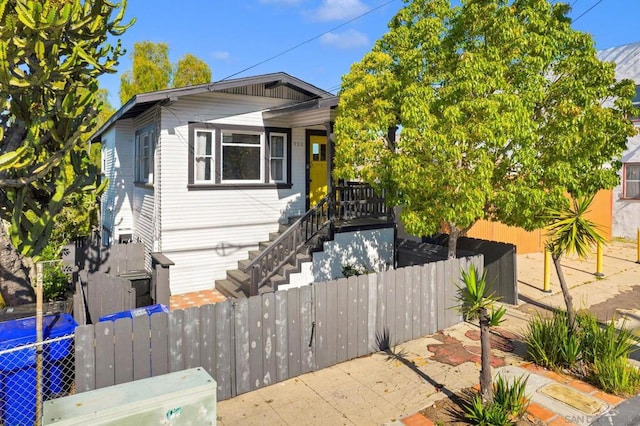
588, 10
310, 40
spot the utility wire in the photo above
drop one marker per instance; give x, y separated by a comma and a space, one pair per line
310, 40
588, 10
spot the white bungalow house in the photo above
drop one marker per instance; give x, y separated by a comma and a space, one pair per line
626, 196
206, 173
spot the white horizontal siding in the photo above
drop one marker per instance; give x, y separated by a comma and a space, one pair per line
205, 232
626, 213
117, 208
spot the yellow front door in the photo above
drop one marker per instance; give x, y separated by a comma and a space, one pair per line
317, 168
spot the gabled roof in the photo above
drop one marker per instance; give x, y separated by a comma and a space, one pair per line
626, 58
143, 101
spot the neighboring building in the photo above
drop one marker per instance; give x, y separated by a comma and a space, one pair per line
205, 173
626, 196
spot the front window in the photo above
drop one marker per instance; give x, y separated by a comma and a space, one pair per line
204, 156
145, 151
241, 157
278, 158
631, 181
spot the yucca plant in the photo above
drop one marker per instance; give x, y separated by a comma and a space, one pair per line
511, 396
551, 342
571, 232
476, 303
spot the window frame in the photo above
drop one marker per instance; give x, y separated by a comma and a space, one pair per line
261, 156
148, 160
625, 181
284, 158
211, 157
264, 182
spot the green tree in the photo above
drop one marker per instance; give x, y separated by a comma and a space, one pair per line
477, 303
51, 53
190, 71
503, 108
571, 232
152, 70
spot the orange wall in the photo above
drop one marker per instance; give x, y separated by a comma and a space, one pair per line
531, 242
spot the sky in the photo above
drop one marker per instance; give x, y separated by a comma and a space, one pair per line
231, 35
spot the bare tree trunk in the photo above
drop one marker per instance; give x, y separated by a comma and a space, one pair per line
454, 233
486, 389
14, 274
568, 300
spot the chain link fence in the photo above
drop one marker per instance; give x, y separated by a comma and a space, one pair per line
31, 374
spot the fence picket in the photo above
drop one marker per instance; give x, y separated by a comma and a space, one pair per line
352, 318
123, 347
293, 328
320, 338
85, 365
242, 344
225, 361
363, 315
307, 324
104, 354
191, 338
208, 339
141, 346
269, 338
159, 344
282, 341
176, 358
342, 320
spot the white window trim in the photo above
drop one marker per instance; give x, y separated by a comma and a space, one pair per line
284, 158
140, 134
626, 181
261, 146
212, 157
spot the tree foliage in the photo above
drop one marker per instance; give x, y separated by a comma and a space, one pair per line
152, 70
51, 53
502, 107
190, 71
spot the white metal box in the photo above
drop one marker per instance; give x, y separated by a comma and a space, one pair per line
182, 398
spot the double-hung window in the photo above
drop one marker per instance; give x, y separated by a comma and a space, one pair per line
145, 152
278, 157
229, 155
631, 180
204, 157
241, 157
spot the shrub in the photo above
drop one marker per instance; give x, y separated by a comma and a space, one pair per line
551, 342
509, 403
603, 342
511, 396
615, 375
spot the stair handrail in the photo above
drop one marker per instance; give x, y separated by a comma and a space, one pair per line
254, 268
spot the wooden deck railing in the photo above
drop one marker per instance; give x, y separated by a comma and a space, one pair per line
355, 201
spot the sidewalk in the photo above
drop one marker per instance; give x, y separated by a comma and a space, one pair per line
391, 388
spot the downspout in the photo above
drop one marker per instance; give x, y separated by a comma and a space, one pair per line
157, 199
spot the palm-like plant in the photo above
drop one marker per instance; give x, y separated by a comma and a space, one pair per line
571, 232
476, 304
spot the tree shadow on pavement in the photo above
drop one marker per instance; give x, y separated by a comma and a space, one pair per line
383, 344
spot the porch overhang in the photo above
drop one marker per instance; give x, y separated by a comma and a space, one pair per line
309, 113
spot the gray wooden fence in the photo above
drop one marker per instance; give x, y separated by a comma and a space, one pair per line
246, 344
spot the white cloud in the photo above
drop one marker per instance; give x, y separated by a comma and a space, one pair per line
346, 40
334, 10
221, 55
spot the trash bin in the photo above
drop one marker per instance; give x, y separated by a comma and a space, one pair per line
146, 310
18, 368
